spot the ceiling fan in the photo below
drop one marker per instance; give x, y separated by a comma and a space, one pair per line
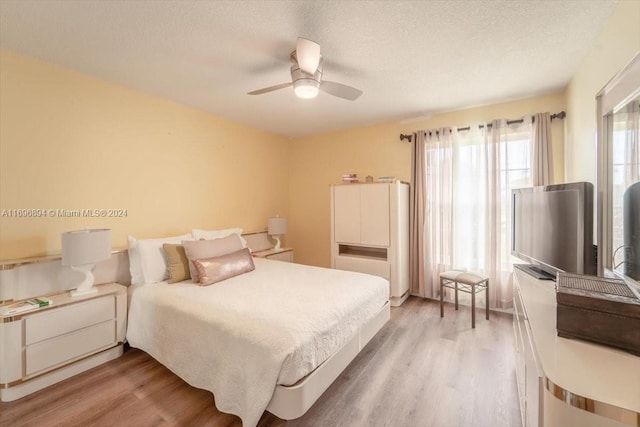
306, 75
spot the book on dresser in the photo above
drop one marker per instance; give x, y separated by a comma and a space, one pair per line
24, 306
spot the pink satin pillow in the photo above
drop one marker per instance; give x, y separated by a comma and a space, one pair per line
217, 269
202, 249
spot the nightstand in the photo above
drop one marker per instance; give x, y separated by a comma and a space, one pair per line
282, 254
49, 344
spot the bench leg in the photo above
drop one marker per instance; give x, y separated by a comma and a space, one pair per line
486, 296
456, 294
441, 297
473, 306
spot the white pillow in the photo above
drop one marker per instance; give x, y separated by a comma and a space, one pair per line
135, 267
217, 234
147, 260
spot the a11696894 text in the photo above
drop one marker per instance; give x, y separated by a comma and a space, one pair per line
63, 213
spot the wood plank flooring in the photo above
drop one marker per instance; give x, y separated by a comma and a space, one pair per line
420, 370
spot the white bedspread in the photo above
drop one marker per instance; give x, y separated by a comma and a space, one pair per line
241, 337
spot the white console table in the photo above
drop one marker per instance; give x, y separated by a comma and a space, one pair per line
564, 382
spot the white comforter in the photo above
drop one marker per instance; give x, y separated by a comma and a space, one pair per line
241, 337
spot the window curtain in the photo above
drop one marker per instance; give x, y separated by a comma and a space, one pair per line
542, 168
468, 177
416, 214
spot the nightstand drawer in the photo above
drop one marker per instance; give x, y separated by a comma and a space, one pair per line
282, 256
52, 323
53, 352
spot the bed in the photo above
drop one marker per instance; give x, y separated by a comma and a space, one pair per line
274, 338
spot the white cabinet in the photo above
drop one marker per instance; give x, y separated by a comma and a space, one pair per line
374, 214
362, 214
528, 371
41, 347
347, 211
565, 382
370, 232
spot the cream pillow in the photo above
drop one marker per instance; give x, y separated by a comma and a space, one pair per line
217, 234
217, 269
177, 261
200, 249
147, 260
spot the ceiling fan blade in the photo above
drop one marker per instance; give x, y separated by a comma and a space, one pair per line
308, 55
340, 90
269, 89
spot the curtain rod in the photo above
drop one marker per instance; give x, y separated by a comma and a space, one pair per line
561, 115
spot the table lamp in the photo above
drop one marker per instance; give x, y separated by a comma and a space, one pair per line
277, 227
82, 250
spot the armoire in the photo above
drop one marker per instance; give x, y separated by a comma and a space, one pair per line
370, 232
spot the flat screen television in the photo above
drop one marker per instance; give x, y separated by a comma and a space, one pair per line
552, 229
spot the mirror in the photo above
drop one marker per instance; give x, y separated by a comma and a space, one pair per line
618, 185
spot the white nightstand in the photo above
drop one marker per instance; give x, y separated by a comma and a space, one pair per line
49, 344
282, 254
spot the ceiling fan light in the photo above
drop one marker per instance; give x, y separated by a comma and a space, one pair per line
306, 88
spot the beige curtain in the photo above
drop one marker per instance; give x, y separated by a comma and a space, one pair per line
416, 215
506, 157
542, 158
438, 214
467, 179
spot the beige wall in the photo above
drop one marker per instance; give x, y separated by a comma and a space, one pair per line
615, 47
69, 141
174, 168
318, 161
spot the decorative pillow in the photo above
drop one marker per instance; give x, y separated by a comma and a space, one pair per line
201, 249
217, 234
217, 269
177, 261
147, 262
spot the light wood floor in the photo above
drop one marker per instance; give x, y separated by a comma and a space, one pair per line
420, 370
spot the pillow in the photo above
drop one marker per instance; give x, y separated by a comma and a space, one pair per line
147, 262
135, 265
217, 269
201, 249
177, 261
217, 234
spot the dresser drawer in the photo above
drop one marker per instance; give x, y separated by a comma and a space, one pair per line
64, 348
362, 265
282, 256
53, 323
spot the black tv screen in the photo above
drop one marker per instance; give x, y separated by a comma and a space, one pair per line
552, 227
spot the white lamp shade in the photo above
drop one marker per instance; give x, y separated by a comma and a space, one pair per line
277, 226
84, 247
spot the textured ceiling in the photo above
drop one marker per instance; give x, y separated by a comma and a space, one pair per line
411, 58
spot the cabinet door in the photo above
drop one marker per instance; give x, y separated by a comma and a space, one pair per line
374, 214
346, 213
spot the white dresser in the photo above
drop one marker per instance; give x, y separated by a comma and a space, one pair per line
370, 232
564, 382
46, 345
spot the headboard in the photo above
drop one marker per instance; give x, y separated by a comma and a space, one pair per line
32, 277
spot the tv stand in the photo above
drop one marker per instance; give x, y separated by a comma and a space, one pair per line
534, 271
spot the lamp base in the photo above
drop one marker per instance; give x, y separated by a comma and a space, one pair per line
81, 292
86, 286
277, 246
